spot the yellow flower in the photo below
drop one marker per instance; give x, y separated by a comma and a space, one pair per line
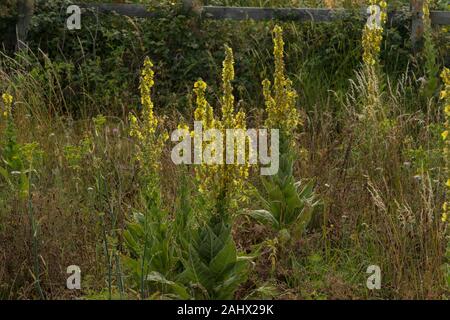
7, 99
448, 183
444, 217
447, 109
150, 143
444, 135
280, 99
218, 180
228, 98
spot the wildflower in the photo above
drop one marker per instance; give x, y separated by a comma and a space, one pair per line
150, 143
228, 98
373, 35
147, 82
280, 99
220, 180
444, 135
447, 109
7, 101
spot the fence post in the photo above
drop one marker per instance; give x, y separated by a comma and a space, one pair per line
25, 10
417, 27
192, 7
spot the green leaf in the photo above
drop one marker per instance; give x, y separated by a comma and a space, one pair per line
265, 217
224, 258
177, 288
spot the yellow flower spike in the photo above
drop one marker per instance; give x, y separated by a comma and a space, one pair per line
280, 99
228, 98
215, 180
444, 135
147, 82
373, 35
444, 217
149, 143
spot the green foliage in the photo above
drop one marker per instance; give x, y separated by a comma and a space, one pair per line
157, 245
287, 203
213, 266
13, 168
153, 248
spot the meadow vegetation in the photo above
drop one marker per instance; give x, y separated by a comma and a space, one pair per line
86, 176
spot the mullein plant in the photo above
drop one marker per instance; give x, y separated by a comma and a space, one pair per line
445, 97
372, 38
213, 265
288, 204
148, 235
222, 184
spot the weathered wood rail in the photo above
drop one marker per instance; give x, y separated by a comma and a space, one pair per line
192, 7
243, 13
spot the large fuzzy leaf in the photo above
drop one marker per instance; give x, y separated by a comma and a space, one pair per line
264, 217
177, 288
224, 258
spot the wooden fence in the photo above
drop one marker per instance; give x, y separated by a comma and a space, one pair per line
192, 7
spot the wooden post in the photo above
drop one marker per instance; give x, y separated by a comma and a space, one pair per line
192, 7
417, 28
25, 10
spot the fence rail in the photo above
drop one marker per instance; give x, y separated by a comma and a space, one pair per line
243, 13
